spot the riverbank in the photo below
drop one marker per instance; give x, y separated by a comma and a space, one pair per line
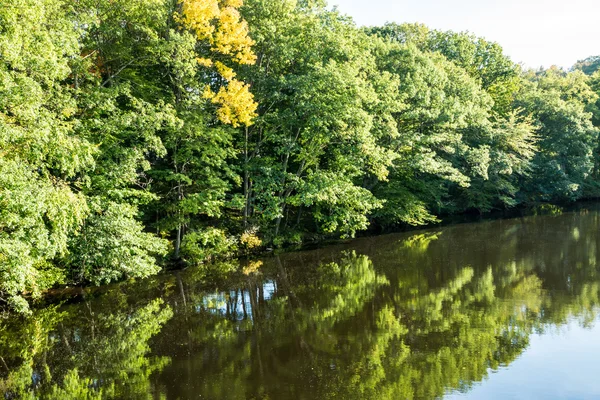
220, 270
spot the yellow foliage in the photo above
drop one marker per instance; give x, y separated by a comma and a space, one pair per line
205, 62
232, 3
226, 72
237, 105
199, 15
232, 37
221, 25
250, 240
218, 22
252, 267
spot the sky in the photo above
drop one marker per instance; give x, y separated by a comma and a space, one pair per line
533, 32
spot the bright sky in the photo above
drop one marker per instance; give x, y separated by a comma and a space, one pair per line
534, 32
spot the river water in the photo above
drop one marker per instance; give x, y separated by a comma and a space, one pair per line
502, 309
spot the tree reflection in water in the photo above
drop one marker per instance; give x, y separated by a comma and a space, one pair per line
399, 316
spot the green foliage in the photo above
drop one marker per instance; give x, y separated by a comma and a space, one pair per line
588, 66
441, 103
37, 218
323, 110
40, 157
113, 246
339, 205
481, 59
508, 147
567, 137
205, 245
74, 388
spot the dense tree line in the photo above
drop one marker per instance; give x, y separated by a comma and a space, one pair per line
136, 131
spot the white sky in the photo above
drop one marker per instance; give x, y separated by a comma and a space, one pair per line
534, 32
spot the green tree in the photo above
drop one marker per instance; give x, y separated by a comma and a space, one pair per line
42, 161
483, 60
323, 108
567, 138
588, 66
440, 101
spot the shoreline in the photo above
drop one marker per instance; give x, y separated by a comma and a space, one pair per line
69, 294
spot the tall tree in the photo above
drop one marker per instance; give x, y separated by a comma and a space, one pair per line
567, 138
42, 161
323, 108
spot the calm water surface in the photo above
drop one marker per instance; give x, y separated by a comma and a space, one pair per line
504, 309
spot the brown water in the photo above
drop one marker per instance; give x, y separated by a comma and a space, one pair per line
498, 309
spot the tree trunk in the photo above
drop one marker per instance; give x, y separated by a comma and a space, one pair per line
246, 178
180, 225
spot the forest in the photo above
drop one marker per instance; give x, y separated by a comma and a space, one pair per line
138, 134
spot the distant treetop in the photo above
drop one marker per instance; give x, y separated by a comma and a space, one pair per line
588, 66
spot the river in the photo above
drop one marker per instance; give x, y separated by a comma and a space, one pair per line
500, 309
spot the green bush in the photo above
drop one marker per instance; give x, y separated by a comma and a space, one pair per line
205, 245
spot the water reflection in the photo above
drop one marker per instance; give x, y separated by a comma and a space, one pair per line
411, 316
82, 353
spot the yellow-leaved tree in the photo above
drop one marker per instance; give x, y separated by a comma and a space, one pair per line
223, 37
